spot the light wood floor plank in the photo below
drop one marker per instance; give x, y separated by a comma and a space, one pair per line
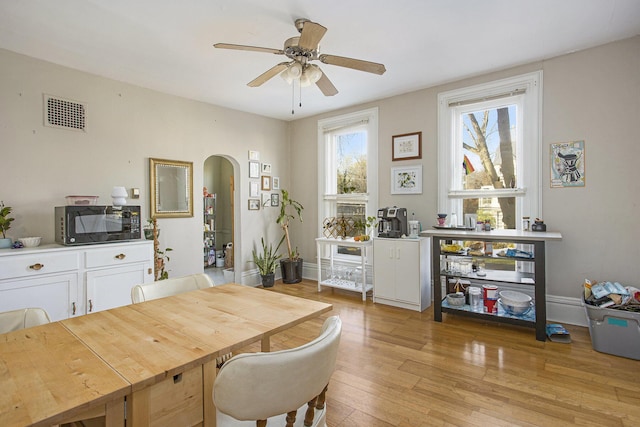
399, 368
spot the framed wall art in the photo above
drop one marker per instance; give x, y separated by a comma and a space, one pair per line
254, 169
275, 183
406, 180
275, 199
266, 183
254, 155
266, 168
407, 146
567, 164
254, 189
254, 204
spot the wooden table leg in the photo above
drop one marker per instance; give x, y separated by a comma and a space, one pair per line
208, 378
138, 408
114, 414
266, 344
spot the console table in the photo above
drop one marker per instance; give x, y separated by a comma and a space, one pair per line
533, 241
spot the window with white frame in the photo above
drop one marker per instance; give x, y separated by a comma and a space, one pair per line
347, 153
489, 151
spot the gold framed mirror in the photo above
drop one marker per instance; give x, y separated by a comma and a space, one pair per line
171, 188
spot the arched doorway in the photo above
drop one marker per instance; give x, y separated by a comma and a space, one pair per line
218, 219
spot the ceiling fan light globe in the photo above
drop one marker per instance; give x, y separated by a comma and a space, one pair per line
305, 80
314, 73
295, 70
286, 76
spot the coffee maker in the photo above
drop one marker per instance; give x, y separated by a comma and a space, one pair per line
392, 222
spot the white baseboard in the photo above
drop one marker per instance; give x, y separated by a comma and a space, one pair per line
559, 309
566, 310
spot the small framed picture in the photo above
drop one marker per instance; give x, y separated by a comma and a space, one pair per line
266, 183
266, 200
254, 155
407, 146
254, 189
254, 169
275, 199
407, 180
275, 183
254, 204
266, 168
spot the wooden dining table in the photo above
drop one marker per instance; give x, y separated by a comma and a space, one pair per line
162, 352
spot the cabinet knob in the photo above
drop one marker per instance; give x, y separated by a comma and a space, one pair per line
120, 256
36, 266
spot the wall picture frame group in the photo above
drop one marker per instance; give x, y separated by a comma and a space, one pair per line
407, 146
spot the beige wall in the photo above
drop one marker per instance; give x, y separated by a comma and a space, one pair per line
592, 95
125, 126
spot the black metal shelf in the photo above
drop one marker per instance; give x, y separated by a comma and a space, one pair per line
513, 278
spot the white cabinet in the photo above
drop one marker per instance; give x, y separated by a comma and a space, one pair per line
401, 273
112, 271
69, 281
40, 279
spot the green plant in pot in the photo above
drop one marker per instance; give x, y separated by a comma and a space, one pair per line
267, 262
148, 229
290, 210
5, 225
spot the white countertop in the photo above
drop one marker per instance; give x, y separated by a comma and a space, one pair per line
50, 247
494, 234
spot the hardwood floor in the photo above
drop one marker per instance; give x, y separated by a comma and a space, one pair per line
400, 368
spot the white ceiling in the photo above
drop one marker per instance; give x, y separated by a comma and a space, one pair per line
166, 45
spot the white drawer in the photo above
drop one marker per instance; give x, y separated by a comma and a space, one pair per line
37, 264
118, 255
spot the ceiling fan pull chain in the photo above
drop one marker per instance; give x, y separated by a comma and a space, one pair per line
300, 89
293, 96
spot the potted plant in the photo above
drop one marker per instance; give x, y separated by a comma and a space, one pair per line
148, 229
5, 225
267, 262
364, 227
160, 256
291, 267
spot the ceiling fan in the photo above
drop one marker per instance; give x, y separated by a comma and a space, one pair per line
301, 50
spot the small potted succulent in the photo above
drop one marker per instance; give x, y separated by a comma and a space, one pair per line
5, 225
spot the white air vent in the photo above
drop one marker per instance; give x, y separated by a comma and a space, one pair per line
64, 113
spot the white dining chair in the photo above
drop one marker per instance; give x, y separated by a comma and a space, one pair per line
169, 287
280, 388
23, 318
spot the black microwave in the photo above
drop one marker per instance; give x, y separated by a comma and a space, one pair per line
89, 224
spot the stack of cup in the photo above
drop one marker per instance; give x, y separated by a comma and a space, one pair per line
490, 297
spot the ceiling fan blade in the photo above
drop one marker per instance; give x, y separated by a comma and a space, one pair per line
251, 48
271, 72
311, 35
325, 85
356, 64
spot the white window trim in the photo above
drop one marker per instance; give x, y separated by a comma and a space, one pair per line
370, 117
530, 183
